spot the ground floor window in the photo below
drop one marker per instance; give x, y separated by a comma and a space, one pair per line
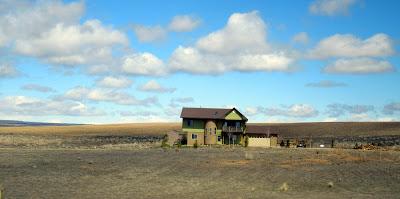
219, 138
194, 136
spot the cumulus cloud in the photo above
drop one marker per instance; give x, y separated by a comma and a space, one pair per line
38, 88
7, 71
391, 108
336, 110
359, 66
52, 32
347, 45
184, 23
114, 82
243, 32
326, 84
143, 64
89, 43
150, 33
154, 86
331, 7
27, 20
240, 46
105, 95
301, 37
23, 105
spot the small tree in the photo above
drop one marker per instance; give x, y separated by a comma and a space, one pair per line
195, 145
246, 141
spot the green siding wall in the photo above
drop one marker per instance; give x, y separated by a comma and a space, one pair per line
233, 116
197, 124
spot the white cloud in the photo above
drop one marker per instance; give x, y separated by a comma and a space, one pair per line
331, 7
173, 111
114, 82
105, 95
330, 119
240, 46
251, 111
295, 110
52, 32
30, 19
184, 23
149, 33
391, 108
37, 87
301, 37
359, 66
178, 102
347, 45
264, 62
387, 119
143, 64
7, 70
154, 86
22, 105
360, 117
336, 110
244, 32
326, 84
89, 43
138, 113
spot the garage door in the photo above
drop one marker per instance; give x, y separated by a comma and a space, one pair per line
259, 142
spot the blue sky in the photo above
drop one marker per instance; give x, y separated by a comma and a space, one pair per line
142, 61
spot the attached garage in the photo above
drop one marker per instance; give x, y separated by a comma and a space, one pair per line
259, 142
260, 136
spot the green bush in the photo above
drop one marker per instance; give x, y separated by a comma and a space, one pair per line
195, 145
164, 142
179, 144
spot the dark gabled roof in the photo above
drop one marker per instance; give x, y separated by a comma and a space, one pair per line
254, 129
207, 113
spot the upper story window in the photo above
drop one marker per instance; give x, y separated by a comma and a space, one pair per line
189, 123
237, 124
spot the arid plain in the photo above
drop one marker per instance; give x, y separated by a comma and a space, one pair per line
126, 161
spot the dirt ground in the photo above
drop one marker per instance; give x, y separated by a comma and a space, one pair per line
205, 172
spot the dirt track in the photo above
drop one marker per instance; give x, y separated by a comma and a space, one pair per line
199, 173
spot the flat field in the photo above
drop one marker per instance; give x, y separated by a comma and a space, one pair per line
199, 173
80, 130
126, 161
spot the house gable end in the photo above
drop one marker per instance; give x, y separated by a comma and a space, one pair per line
235, 115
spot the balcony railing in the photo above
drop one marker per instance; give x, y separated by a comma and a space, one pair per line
232, 129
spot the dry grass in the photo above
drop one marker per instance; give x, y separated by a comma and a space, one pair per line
110, 129
195, 173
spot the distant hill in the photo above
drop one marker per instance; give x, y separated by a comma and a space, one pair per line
11, 123
332, 128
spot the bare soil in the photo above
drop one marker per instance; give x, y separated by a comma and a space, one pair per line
222, 172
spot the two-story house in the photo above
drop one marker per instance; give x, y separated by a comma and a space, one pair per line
213, 126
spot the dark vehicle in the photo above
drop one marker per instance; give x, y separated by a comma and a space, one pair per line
301, 144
